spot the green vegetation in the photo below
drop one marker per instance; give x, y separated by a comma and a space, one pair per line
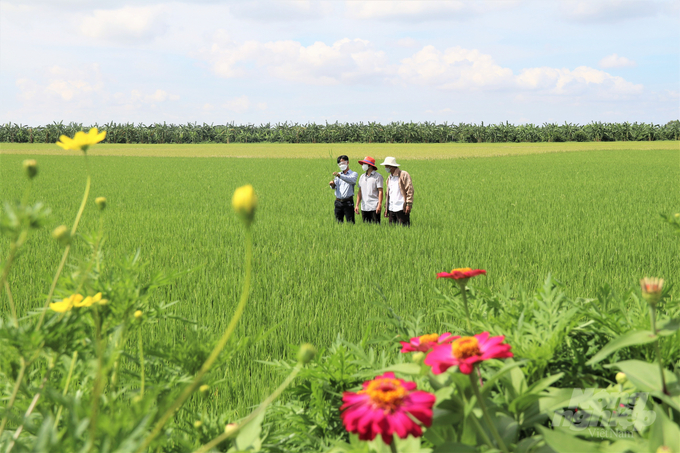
396, 132
589, 219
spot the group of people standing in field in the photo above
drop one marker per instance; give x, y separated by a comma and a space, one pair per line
398, 198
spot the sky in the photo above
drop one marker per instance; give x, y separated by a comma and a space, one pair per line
258, 61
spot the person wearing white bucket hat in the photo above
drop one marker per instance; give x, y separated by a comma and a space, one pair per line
399, 193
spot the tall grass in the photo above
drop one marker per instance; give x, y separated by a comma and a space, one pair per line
586, 218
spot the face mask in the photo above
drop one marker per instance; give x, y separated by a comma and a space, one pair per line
343, 167
365, 167
388, 169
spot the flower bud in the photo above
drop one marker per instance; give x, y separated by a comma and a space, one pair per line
651, 290
31, 168
677, 215
244, 203
204, 388
306, 353
197, 424
418, 357
664, 449
230, 428
62, 235
100, 202
621, 378
138, 314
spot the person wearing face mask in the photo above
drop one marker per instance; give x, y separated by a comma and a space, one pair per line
343, 183
370, 194
399, 193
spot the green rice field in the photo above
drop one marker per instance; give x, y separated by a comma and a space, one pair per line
589, 217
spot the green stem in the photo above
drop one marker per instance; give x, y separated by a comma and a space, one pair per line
215, 352
97, 387
393, 446
263, 406
652, 317
13, 397
13, 249
29, 411
465, 304
12, 307
66, 251
487, 417
141, 361
74, 357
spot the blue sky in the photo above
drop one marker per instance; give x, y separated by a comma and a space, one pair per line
313, 61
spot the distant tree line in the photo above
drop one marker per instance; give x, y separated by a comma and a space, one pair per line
371, 132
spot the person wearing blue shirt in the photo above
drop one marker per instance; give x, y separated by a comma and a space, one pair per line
343, 183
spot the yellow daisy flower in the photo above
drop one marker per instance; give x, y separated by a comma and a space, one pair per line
81, 141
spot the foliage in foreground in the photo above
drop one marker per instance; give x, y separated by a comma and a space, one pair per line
371, 132
76, 374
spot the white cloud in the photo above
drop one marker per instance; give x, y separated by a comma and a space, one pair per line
160, 96
407, 42
280, 10
571, 82
610, 11
238, 105
127, 24
463, 69
614, 61
410, 10
345, 61
454, 68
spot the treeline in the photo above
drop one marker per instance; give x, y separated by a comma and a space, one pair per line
395, 132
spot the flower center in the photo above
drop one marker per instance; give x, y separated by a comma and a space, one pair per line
429, 338
465, 347
386, 393
462, 269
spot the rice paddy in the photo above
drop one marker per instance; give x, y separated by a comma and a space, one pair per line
589, 217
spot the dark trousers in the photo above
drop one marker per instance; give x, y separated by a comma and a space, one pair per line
370, 217
399, 217
344, 209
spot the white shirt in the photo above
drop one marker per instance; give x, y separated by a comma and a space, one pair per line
396, 197
369, 186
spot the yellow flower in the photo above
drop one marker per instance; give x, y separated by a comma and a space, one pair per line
63, 305
138, 314
82, 141
244, 202
62, 235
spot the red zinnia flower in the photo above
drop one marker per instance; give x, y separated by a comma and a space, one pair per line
386, 406
424, 343
462, 274
466, 351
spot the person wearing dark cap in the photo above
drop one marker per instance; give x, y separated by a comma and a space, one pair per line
343, 183
370, 195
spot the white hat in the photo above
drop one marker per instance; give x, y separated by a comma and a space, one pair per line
391, 161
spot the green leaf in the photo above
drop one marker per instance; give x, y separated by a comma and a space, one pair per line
634, 338
454, 447
644, 376
488, 384
250, 433
563, 442
668, 327
663, 431
404, 368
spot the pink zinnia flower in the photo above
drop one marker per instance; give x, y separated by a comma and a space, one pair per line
466, 351
461, 275
386, 406
424, 343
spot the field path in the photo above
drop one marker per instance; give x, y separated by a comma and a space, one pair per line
312, 151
